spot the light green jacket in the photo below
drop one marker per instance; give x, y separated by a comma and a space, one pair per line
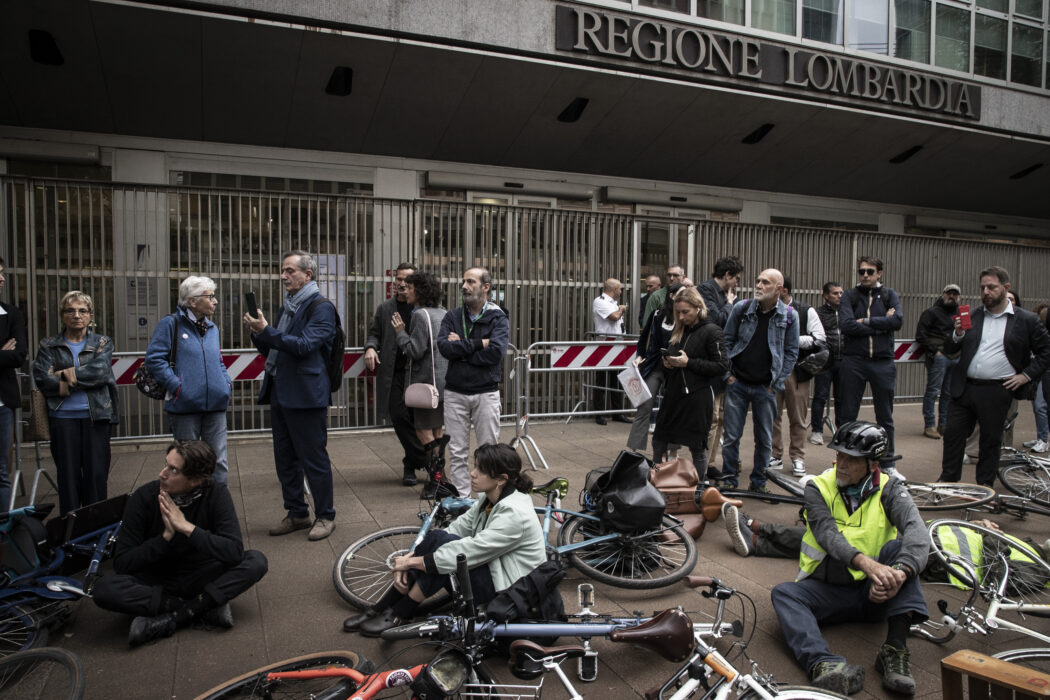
509, 539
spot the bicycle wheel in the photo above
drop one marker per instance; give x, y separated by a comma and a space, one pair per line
1028, 480
797, 692
1035, 659
45, 672
364, 571
255, 685
1027, 575
639, 561
20, 629
947, 496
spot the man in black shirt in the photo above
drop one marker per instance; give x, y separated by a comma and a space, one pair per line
761, 338
179, 554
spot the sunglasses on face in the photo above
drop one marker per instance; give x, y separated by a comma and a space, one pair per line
866, 271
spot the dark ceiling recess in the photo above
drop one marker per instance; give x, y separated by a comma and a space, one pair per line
341, 82
757, 135
1026, 172
905, 155
574, 111
43, 49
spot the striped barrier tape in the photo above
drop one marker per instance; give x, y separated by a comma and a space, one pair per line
241, 366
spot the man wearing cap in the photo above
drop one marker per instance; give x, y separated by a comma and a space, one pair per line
935, 325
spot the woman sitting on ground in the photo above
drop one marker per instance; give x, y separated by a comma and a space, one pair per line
500, 536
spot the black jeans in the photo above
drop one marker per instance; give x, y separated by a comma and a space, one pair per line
80, 447
985, 405
404, 427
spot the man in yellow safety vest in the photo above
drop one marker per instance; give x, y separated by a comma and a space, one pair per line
861, 554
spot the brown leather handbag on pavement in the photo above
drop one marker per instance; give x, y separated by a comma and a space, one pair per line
677, 481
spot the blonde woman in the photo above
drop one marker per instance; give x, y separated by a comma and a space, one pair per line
695, 358
74, 371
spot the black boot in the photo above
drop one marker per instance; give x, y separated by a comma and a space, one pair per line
146, 629
408, 477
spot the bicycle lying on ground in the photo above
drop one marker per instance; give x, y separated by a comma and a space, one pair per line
36, 581
640, 560
709, 674
1009, 577
43, 673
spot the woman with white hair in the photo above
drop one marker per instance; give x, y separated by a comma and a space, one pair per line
197, 384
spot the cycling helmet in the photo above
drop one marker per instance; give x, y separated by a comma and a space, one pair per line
860, 439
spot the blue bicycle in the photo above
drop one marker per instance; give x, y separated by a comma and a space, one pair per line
38, 563
638, 560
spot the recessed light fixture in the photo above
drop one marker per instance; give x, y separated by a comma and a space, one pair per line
757, 135
1026, 172
574, 111
341, 82
905, 155
514, 185
43, 49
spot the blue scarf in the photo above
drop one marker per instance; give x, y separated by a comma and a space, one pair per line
292, 302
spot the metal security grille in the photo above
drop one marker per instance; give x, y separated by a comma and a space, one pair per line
130, 246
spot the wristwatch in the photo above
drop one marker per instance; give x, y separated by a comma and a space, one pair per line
900, 566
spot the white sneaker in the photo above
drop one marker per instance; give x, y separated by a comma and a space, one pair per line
816, 439
799, 468
652, 428
1039, 446
776, 463
894, 474
1029, 443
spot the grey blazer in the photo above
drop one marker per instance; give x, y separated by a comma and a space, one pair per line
416, 345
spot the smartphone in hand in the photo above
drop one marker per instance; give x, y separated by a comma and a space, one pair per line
666, 352
964, 317
251, 306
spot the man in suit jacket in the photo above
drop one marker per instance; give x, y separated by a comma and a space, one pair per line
296, 387
13, 352
1002, 356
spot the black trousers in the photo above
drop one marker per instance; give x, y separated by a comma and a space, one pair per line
80, 447
404, 426
985, 405
150, 593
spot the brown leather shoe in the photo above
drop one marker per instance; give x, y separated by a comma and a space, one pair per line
322, 528
289, 524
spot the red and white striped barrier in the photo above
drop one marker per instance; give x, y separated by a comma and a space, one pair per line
241, 366
607, 356
591, 356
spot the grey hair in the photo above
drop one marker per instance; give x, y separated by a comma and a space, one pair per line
306, 261
194, 287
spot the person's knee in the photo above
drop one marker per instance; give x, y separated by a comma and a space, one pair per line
105, 593
256, 565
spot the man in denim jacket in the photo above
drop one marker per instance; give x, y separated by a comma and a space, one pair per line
758, 366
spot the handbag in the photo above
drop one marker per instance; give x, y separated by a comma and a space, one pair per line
421, 394
38, 429
677, 481
622, 495
146, 382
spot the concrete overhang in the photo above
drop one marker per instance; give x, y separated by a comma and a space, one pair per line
146, 70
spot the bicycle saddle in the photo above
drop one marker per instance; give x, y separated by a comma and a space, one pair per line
561, 485
669, 634
711, 503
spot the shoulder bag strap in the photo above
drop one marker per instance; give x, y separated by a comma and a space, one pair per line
173, 356
430, 331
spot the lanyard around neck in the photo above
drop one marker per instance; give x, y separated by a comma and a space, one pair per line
468, 329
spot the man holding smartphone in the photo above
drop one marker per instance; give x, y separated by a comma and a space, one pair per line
1002, 355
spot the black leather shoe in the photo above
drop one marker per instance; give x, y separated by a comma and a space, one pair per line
714, 474
408, 478
622, 419
375, 626
352, 623
220, 617
146, 629
601, 420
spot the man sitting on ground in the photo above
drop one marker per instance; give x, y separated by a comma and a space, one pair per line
854, 566
179, 554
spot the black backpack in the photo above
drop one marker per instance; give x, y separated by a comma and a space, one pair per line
333, 361
623, 496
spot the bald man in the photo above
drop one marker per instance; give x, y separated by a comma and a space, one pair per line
608, 320
761, 338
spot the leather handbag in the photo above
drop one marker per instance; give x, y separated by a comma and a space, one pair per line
146, 382
421, 394
38, 429
677, 481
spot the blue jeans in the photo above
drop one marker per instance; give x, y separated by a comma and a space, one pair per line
803, 607
938, 378
7, 423
1042, 423
209, 427
763, 403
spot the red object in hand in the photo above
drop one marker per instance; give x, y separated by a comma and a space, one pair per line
964, 317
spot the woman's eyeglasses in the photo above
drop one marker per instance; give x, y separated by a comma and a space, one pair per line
76, 312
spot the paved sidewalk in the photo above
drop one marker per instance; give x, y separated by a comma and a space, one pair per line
295, 609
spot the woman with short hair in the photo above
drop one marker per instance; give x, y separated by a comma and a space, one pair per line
74, 372
198, 386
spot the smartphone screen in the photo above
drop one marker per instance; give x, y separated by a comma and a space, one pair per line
964, 317
251, 306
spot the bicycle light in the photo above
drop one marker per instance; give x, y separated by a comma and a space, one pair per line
443, 676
